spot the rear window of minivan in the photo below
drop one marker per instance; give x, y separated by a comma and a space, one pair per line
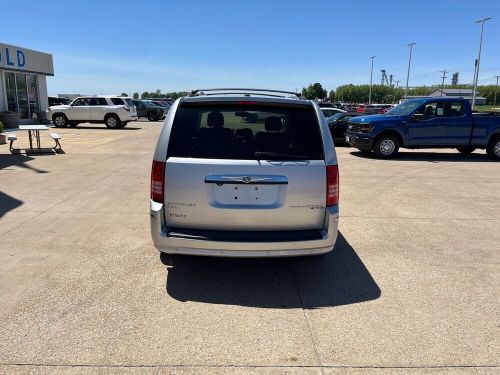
245, 131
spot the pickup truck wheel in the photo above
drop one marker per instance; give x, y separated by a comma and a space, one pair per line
466, 150
123, 124
73, 124
60, 121
112, 122
152, 116
386, 146
493, 149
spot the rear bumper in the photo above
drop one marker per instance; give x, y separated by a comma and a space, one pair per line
363, 142
175, 245
130, 117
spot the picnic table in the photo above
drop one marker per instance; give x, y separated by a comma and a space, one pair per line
34, 134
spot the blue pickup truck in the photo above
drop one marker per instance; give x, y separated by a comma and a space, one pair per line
426, 123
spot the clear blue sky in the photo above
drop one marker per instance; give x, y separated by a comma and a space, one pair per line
114, 46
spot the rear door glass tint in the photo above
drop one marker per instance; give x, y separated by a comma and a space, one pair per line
117, 101
240, 131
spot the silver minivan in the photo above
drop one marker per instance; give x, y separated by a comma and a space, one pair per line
244, 173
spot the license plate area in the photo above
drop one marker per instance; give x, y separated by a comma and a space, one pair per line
255, 191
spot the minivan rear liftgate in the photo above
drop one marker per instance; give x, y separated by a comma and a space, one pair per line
245, 176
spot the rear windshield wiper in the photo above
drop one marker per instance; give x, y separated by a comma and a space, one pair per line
279, 155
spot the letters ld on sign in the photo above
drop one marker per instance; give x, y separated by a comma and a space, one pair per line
12, 58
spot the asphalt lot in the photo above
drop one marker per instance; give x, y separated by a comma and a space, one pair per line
411, 287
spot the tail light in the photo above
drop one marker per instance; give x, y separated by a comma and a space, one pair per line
157, 181
332, 185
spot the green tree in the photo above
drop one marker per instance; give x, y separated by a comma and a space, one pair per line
331, 95
144, 95
135, 95
124, 94
314, 91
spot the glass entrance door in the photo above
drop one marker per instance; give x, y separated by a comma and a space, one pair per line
22, 94
10, 83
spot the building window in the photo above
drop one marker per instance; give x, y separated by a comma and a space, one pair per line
22, 94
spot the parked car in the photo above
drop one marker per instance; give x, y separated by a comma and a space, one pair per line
145, 108
163, 104
372, 109
222, 186
338, 125
330, 111
361, 108
114, 111
330, 105
426, 123
54, 100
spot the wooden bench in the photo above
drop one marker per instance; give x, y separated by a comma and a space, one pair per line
11, 138
56, 137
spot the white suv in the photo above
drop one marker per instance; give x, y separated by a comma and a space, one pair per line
225, 185
114, 111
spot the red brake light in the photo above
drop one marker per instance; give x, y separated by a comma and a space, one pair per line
332, 185
253, 103
157, 181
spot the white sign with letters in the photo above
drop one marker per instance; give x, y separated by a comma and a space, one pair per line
18, 58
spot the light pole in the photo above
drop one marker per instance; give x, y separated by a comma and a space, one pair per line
371, 79
496, 89
396, 84
408, 74
476, 75
443, 77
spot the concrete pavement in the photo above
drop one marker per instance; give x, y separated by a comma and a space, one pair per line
411, 287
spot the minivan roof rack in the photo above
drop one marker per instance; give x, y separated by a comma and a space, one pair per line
245, 91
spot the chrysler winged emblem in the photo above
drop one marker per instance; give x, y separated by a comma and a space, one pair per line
247, 179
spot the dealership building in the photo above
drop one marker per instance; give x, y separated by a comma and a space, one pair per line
23, 81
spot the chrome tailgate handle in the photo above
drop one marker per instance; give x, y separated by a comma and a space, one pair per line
246, 180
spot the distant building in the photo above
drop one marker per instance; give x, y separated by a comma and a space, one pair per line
413, 97
69, 96
458, 93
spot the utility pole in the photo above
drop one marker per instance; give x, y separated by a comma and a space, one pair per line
476, 75
396, 84
371, 78
408, 74
443, 77
496, 89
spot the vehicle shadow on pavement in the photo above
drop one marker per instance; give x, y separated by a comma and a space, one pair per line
433, 157
334, 279
8, 203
